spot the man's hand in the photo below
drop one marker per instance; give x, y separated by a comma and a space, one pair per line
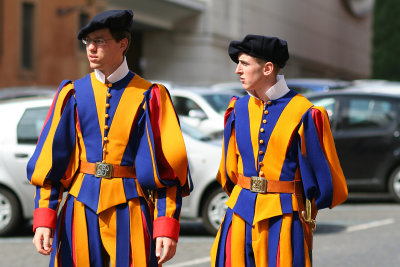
42, 241
168, 245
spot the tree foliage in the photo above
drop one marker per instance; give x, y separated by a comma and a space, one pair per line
386, 40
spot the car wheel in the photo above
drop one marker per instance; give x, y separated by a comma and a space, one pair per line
214, 209
10, 212
394, 184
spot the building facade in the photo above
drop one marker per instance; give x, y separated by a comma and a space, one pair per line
184, 41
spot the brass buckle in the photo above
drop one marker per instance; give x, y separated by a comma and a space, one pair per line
103, 170
258, 184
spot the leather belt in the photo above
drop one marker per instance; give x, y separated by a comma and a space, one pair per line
107, 170
262, 185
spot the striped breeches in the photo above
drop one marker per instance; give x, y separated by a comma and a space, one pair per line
277, 241
119, 236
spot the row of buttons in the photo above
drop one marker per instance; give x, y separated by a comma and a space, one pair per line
261, 136
106, 127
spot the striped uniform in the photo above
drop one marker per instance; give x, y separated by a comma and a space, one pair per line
108, 220
285, 139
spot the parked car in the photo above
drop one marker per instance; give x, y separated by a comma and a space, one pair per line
305, 85
200, 107
366, 128
24, 119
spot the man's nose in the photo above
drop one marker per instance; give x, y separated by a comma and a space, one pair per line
238, 69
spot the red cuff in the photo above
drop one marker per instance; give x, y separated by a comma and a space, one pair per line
167, 227
44, 217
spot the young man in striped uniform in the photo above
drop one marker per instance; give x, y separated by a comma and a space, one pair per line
109, 139
279, 164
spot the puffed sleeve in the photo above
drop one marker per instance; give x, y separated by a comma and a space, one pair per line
227, 172
54, 161
322, 175
169, 163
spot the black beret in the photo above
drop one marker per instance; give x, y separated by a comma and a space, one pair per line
112, 19
268, 48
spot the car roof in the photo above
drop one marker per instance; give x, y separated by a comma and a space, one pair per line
316, 84
26, 91
381, 89
199, 90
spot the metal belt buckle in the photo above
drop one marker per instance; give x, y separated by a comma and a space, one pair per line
103, 170
258, 184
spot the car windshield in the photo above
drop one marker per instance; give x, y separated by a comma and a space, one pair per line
218, 101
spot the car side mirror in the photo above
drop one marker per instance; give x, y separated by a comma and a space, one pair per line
198, 114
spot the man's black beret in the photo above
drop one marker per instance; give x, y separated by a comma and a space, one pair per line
268, 48
112, 19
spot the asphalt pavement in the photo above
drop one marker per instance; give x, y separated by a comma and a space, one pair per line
362, 232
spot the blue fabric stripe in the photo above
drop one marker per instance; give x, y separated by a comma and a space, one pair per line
250, 261
123, 235
135, 138
63, 142
130, 188
298, 242
89, 191
245, 205
94, 239
319, 166
275, 224
144, 160
54, 195
220, 258
66, 243
161, 202
178, 203
88, 118
243, 136
37, 196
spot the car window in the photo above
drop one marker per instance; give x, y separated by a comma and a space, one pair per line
367, 113
30, 125
184, 105
219, 102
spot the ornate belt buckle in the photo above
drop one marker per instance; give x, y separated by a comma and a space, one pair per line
258, 184
103, 170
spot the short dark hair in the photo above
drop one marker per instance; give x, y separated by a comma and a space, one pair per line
118, 35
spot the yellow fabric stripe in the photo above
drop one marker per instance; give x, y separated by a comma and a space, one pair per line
44, 160
111, 193
76, 185
339, 182
260, 243
123, 119
174, 150
285, 241
45, 192
255, 108
238, 241
280, 137
137, 233
170, 201
100, 95
81, 235
108, 230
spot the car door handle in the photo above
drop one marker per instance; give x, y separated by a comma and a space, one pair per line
21, 155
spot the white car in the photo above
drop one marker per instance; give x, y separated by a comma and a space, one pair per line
23, 119
201, 108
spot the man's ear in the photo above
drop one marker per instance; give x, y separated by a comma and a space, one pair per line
268, 68
124, 43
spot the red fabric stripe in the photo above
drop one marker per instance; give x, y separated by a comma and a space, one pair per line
319, 122
164, 169
166, 226
44, 217
228, 245
278, 255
